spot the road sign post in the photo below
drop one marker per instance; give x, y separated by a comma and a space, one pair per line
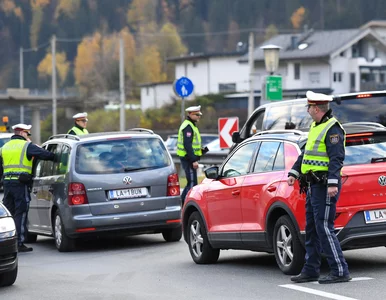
273, 88
183, 87
226, 126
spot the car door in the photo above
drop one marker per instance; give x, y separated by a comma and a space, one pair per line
35, 206
259, 189
223, 195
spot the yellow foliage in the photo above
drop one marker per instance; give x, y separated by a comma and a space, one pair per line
141, 12
62, 66
7, 6
37, 18
298, 17
149, 66
18, 13
67, 7
35, 4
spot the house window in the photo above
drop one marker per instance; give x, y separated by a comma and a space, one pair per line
343, 54
338, 76
147, 91
382, 77
227, 87
297, 71
314, 77
352, 81
194, 64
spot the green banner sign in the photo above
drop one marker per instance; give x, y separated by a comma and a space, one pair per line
273, 88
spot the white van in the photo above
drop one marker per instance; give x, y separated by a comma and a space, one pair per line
292, 114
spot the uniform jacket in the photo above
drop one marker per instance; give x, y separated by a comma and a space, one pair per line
188, 141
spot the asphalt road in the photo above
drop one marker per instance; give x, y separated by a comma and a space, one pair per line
146, 267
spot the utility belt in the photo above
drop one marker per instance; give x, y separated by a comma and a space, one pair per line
22, 177
312, 177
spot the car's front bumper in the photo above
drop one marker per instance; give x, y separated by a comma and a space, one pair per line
8, 254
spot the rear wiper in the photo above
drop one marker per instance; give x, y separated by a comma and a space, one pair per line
378, 159
138, 169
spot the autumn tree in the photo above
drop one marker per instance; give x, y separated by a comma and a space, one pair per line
298, 17
233, 36
62, 66
270, 32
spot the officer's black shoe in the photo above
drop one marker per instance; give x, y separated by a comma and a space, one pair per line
24, 248
334, 279
302, 277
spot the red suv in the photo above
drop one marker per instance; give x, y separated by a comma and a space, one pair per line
247, 204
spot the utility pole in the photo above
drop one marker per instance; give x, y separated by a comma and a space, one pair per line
54, 120
251, 98
122, 85
21, 82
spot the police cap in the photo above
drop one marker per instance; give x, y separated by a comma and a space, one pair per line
193, 109
317, 98
80, 116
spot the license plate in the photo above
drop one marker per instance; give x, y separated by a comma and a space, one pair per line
375, 216
128, 193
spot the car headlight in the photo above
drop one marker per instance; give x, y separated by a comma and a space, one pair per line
7, 227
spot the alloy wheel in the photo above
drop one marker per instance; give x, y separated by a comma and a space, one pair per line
284, 245
58, 230
196, 240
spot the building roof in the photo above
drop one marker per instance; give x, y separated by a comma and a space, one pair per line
317, 44
153, 84
195, 56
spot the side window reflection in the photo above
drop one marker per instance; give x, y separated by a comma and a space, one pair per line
238, 164
266, 157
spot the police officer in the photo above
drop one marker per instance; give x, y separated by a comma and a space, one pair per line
189, 147
80, 125
319, 165
16, 157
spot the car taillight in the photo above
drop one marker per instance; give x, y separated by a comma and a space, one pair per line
364, 96
77, 194
173, 185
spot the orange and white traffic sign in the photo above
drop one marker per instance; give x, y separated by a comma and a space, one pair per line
226, 126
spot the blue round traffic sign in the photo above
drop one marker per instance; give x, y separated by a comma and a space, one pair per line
183, 87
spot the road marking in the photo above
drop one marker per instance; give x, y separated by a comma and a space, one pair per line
315, 292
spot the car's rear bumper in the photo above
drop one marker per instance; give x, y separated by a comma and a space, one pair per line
357, 234
138, 222
8, 254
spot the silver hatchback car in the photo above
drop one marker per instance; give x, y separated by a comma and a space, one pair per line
105, 183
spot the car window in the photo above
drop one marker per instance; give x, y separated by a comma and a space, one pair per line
266, 157
3, 141
63, 162
362, 149
49, 167
121, 155
239, 163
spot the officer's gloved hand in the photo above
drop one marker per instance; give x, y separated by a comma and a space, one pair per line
205, 150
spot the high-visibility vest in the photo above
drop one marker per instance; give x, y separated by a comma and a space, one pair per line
78, 131
196, 144
315, 154
15, 159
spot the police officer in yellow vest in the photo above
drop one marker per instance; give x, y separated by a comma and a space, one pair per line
319, 169
80, 124
189, 147
16, 158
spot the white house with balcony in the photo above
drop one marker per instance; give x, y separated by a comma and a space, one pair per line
329, 61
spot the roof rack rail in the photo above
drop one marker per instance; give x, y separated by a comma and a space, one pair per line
294, 131
141, 130
64, 136
371, 124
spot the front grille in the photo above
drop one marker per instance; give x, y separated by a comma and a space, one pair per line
7, 259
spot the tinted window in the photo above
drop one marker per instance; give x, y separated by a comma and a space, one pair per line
49, 167
121, 155
64, 158
266, 157
238, 164
360, 150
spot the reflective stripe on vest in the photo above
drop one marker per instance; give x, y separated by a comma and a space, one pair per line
78, 131
315, 155
196, 143
15, 159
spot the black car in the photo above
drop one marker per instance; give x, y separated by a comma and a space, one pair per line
8, 248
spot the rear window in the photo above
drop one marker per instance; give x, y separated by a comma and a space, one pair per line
363, 149
121, 155
353, 109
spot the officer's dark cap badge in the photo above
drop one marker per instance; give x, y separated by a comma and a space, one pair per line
334, 138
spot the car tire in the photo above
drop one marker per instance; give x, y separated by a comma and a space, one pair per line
62, 242
289, 252
172, 235
197, 239
8, 278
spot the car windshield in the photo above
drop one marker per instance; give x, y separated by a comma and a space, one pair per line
121, 155
295, 116
365, 149
3, 141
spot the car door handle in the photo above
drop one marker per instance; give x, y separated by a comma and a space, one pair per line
271, 189
35, 191
236, 192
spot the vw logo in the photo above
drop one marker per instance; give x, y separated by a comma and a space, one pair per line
382, 180
127, 180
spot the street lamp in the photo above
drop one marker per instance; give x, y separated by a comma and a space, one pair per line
271, 58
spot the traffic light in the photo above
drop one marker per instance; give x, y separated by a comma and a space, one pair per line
5, 128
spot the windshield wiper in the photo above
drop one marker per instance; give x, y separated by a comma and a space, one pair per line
378, 159
138, 169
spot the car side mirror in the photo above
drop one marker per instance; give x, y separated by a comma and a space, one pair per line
211, 172
236, 137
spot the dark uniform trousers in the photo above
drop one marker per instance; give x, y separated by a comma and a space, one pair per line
320, 236
191, 177
16, 200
